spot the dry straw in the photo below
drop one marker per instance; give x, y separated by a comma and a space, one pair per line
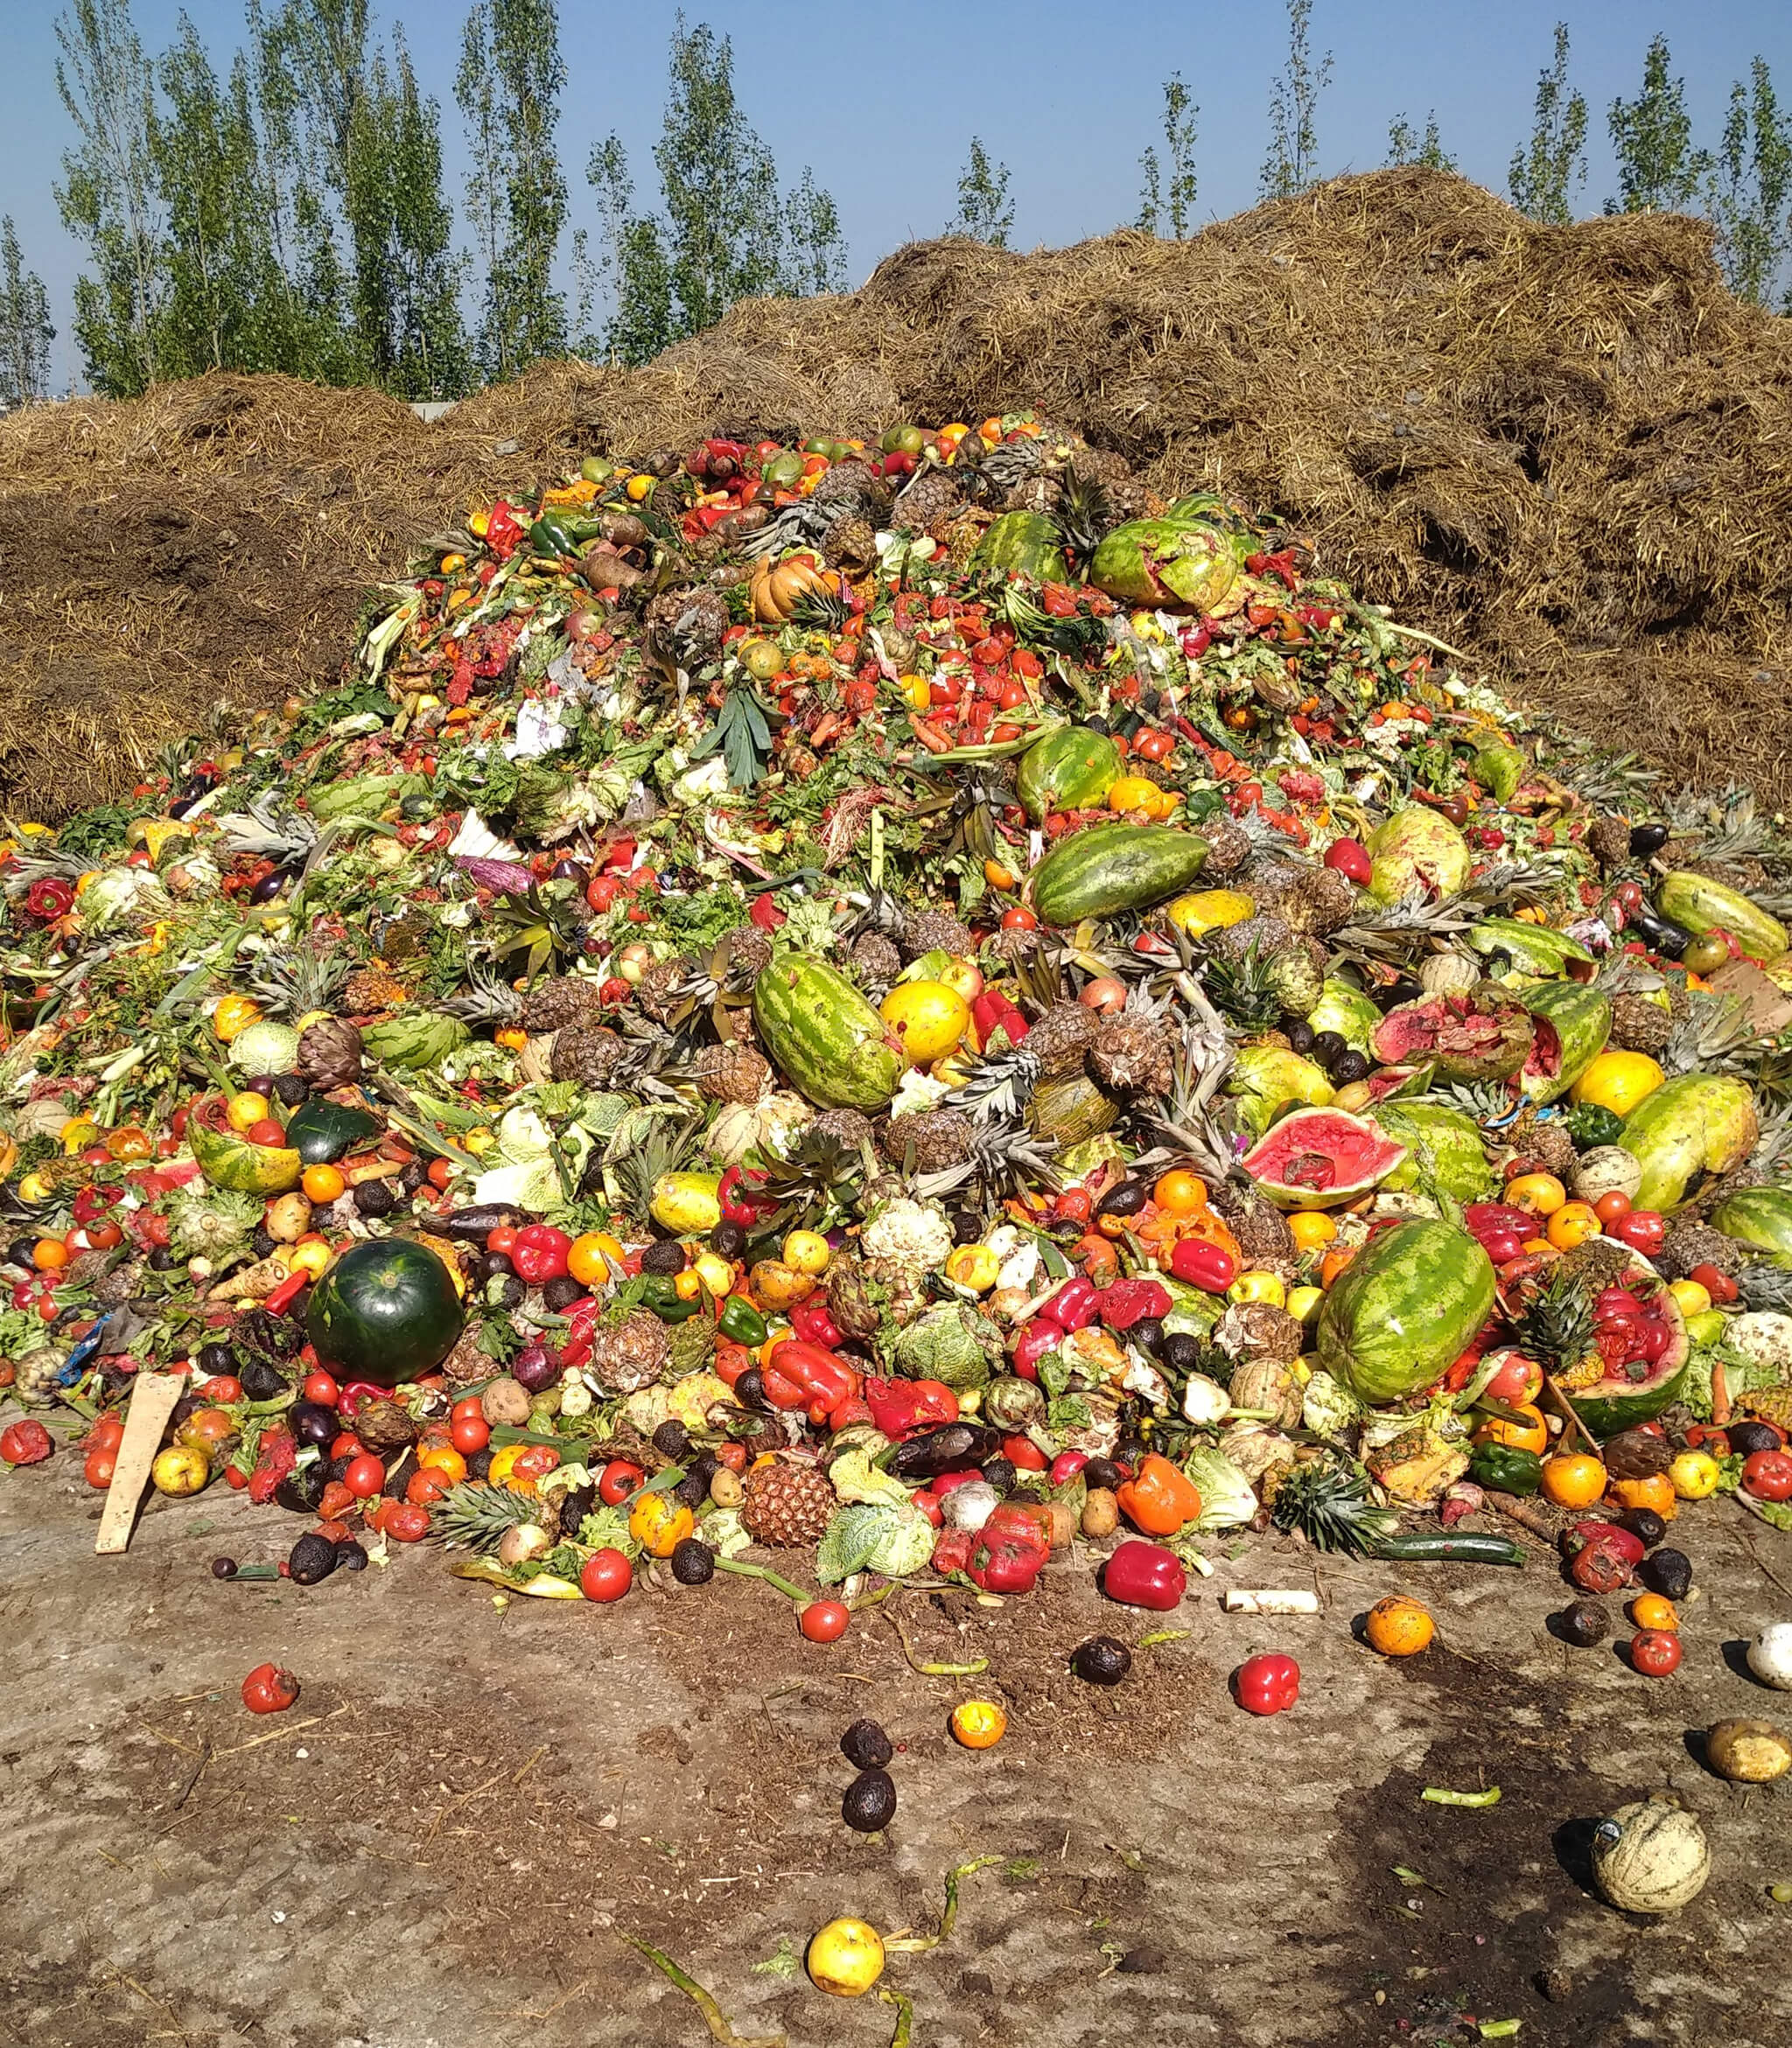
1568, 450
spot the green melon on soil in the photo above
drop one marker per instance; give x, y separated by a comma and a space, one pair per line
1171, 564
1026, 542
1404, 1310
385, 1311
1072, 769
1759, 1217
1572, 1022
1108, 869
1701, 905
826, 1038
1533, 949
1443, 1147
1316, 1158
228, 1161
1698, 1123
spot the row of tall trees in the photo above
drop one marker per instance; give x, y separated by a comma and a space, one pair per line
288, 211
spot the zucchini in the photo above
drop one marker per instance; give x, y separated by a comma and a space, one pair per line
1470, 1547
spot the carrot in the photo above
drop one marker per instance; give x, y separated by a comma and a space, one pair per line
929, 736
1720, 1394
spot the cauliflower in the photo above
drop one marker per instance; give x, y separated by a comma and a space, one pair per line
914, 1234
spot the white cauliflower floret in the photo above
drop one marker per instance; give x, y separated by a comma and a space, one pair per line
916, 1233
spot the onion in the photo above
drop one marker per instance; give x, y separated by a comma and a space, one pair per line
970, 1506
535, 1367
521, 1543
505, 878
1770, 1656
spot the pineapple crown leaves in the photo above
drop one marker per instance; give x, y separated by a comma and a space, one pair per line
1728, 827
1400, 928
997, 1086
268, 830
1241, 987
1327, 1500
1556, 1326
487, 999
1004, 1156
478, 1516
296, 981
1713, 1033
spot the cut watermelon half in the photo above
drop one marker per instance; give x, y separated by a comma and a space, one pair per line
1480, 1036
1316, 1158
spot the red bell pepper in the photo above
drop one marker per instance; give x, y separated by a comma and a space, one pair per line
805, 1376
952, 1551
739, 1204
1207, 1266
582, 1320
900, 1407
540, 1254
1010, 1549
1145, 1575
1065, 1466
1033, 1344
811, 1321
1126, 1302
1023, 1454
1267, 1684
504, 533
993, 1012
288, 1292
949, 1482
1073, 1306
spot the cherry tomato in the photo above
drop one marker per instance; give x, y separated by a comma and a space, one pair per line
425, 1487
1722, 1290
469, 1433
320, 1389
365, 1476
618, 1480
1655, 1652
268, 1689
221, 1387
1610, 1207
441, 1172
107, 1434
824, 1621
1768, 1475
1019, 919
607, 1575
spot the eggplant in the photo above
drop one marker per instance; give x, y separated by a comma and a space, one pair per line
310, 1422
302, 1490
1660, 934
955, 1447
475, 1225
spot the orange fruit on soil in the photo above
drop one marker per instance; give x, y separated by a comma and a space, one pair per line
1398, 1627
1573, 1478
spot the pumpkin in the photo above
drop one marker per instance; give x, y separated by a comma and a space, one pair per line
1650, 1856
777, 585
386, 1310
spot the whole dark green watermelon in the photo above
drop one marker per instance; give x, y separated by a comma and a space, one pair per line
385, 1311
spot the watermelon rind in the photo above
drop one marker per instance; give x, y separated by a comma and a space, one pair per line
1613, 1404
1443, 1147
1697, 1122
1578, 1021
1759, 1217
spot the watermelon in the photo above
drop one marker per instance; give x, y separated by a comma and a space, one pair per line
1700, 905
1405, 1309
1759, 1217
1027, 542
1316, 1158
231, 1162
1072, 769
386, 1310
826, 1038
1696, 1123
1268, 1078
1171, 564
1444, 1148
1344, 1008
1481, 1036
1417, 849
1635, 1394
1112, 867
1573, 1024
1533, 949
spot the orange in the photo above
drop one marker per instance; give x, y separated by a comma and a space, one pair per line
50, 1254
978, 1724
1656, 1492
1334, 1263
443, 1459
1531, 1434
1180, 1193
1650, 1611
1572, 1224
1541, 1193
1310, 1228
586, 1257
1397, 1627
323, 1183
1573, 1478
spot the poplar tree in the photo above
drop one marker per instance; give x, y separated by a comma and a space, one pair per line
25, 333
1659, 172
1292, 164
1168, 183
1541, 177
986, 212
1404, 146
1751, 191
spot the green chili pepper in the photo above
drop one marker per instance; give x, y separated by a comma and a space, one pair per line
741, 1323
1506, 1469
554, 533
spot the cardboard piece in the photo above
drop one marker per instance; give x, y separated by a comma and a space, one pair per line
153, 1401
1765, 1003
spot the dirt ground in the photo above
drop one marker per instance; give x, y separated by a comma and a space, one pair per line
450, 1837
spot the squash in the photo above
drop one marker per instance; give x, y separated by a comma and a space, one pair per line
9, 1154
1650, 1856
387, 1310
777, 585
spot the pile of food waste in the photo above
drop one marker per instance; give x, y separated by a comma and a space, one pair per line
853, 1013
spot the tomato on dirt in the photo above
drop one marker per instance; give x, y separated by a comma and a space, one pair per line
1768, 1475
824, 1621
607, 1574
26, 1443
365, 1476
101, 1465
1655, 1652
268, 1689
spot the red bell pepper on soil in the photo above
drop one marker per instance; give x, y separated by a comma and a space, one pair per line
805, 1376
899, 1408
1145, 1575
1010, 1549
812, 1322
1267, 1684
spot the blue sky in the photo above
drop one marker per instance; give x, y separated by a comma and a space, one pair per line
883, 101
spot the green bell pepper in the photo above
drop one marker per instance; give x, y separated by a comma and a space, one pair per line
741, 1323
1503, 1469
663, 1299
554, 533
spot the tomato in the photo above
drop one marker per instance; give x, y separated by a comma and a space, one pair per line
1768, 1475
1610, 1207
26, 1443
733, 1456
320, 1389
1019, 919
407, 1524
222, 1387
268, 1689
469, 1404
1515, 1383
107, 1434
1075, 1204
501, 1239
1600, 1568
101, 1465
365, 1476
1722, 1290
1655, 1652
426, 1486
441, 1172
607, 1575
618, 1480
824, 1621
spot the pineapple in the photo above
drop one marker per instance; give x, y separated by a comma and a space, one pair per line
1766, 1287
732, 1073
688, 624
1556, 1328
480, 1516
561, 1000
1608, 841
1546, 1140
1264, 1239
1060, 1040
370, 991
1242, 987
1131, 1055
874, 959
749, 951
1084, 513
1639, 1025
1326, 1499
292, 985
850, 1128
270, 831
1229, 847
1690, 1244
787, 1504
1767, 1404
936, 931
931, 500
1003, 1157
851, 545
851, 486
658, 990
486, 1000
935, 1140
587, 1053
631, 1354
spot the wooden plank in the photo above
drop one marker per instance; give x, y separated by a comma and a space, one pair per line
153, 1401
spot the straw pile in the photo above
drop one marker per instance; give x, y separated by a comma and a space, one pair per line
1566, 451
